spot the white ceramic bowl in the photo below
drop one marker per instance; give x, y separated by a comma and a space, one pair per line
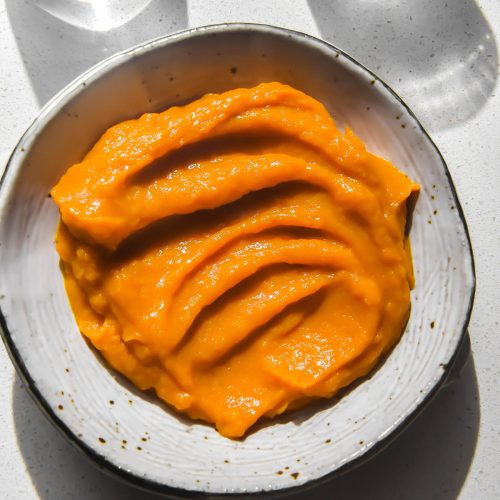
133, 435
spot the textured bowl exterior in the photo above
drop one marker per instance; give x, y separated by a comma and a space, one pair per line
133, 434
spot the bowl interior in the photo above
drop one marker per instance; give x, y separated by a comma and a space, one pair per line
141, 436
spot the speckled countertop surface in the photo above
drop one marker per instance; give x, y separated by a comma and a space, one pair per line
442, 58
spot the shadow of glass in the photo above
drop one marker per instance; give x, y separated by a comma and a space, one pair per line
58, 42
440, 57
429, 460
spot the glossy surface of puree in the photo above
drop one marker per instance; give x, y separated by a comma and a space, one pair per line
239, 255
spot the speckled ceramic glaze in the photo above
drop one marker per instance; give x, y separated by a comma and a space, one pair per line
133, 434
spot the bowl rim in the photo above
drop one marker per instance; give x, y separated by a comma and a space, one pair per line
128, 476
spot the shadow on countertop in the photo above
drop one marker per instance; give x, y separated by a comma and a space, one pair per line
58, 40
441, 57
430, 459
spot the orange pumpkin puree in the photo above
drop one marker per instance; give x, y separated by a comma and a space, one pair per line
240, 255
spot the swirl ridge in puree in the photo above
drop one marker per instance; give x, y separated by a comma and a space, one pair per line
240, 255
